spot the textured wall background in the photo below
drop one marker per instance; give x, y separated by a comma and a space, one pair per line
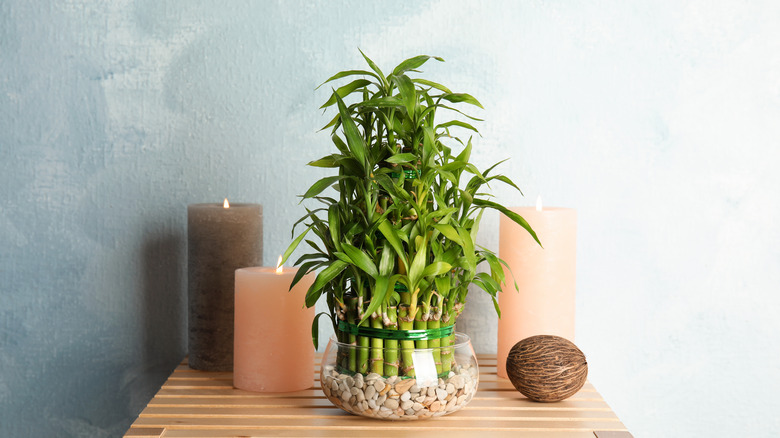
658, 121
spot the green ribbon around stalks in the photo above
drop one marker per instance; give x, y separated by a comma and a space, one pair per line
399, 335
408, 174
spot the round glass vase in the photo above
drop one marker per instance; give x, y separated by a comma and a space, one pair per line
429, 382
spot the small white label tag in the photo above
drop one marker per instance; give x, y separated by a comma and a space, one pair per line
425, 368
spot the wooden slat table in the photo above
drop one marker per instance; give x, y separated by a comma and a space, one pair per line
205, 404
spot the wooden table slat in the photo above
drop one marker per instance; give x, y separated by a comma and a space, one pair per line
195, 403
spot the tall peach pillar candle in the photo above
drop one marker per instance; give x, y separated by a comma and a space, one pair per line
273, 350
546, 277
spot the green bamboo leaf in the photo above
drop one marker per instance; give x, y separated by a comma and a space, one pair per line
461, 97
476, 119
488, 283
505, 180
432, 85
456, 123
454, 165
334, 225
350, 166
468, 249
418, 265
516, 218
294, 244
465, 155
346, 73
436, 268
381, 287
302, 270
345, 91
327, 161
360, 259
342, 147
381, 76
333, 122
386, 261
429, 146
401, 158
394, 191
496, 306
506, 265
389, 232
321, 185
449, 232
475, 226
408, 93
354, 140
307, 257
443, 285
382, 102
441, 213
472, 169
306, 216
341, 255
490, 169
449, 176
315, 329
413, 63
497, 271
324, 277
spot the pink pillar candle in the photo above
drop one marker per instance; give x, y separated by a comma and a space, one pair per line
545, 303
273, 350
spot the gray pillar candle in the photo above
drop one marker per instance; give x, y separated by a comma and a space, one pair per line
220, 240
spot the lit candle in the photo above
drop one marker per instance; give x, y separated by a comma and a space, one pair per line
545, 303
273, 345
221, 238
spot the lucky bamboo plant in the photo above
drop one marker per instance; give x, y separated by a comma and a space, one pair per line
396, 244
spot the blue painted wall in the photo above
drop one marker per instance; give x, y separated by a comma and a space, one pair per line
658, 121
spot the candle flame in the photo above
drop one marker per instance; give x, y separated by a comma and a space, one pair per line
539, 203
279, 267
226, 204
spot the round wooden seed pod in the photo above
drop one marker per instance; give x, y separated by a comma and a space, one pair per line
546, 368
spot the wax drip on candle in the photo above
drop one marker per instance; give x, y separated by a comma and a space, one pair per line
226, 204
279, 267
539, 203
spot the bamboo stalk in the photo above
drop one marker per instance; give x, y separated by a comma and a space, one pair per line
406, 322
435, 344
447, 355
391, 345
351, 316
363, 342
421, 323
377, 347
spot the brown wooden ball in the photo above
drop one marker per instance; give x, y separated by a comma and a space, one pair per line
546, 368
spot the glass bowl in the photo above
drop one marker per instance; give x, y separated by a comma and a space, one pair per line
432, 382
